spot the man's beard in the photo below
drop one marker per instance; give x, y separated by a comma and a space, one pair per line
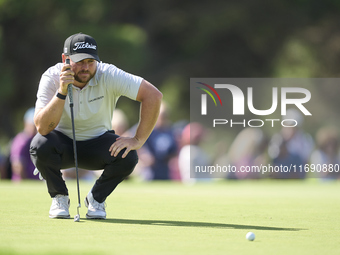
85, 81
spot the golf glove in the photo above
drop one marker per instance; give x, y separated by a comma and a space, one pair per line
36, 171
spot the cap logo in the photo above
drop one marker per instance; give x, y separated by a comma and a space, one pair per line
84, 45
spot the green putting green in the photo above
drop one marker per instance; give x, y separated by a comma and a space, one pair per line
287, 217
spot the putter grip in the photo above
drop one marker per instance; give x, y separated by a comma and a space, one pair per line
69, 87
70, 94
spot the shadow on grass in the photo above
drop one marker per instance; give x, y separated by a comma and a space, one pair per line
192, 224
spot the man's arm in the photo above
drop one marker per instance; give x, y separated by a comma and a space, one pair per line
150, 98
46, 119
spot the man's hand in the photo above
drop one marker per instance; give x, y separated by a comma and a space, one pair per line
66, 78
129, 143
150, 98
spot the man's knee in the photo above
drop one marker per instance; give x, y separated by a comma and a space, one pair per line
132, 158
125, 165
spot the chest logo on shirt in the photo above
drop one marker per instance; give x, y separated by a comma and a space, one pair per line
97, 98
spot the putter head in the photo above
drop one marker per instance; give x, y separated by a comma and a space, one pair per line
77, 218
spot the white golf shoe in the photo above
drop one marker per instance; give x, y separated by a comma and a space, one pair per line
95, 210
59, 207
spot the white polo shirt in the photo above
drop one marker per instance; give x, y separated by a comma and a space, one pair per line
94, 104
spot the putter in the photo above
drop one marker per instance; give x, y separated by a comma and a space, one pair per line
70, 94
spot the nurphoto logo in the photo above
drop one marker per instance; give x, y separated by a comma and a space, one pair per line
281, 98
253, 128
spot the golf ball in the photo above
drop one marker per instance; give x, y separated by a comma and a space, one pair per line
76, 218
250, 236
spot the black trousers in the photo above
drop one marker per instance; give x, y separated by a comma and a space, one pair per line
54, 151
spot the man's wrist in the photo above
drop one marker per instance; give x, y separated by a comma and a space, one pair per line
60, 91
61, 96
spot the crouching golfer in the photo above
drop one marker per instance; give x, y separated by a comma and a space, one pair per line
96, 89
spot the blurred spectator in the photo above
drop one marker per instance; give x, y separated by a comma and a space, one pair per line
297, 141
292, 146
327, 152
161, 146
248, 149
119, 122
285, 158
70, 173
221, 154
22, 166
178, 128
192, 154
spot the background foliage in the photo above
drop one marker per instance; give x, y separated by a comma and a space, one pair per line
167, 42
